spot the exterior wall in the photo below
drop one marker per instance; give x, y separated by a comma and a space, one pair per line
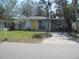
46, 25
1, 25
22, 24
35, 25
42, 26
16, 24
58, 25
28, 24
75, 26
54, 25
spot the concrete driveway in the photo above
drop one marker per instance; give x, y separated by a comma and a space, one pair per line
38, 51
59, 38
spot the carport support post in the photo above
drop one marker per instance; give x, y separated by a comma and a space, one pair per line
47, 25
47, 11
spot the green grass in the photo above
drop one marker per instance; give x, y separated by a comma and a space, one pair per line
77, 34
18, 36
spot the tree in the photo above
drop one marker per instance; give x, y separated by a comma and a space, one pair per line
6, 11
68, 13
74, 6
46, 5
6, 7
59, 8
2, 10
27, 8
40, 11
52, 14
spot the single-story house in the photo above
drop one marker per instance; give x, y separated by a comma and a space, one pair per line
38, 23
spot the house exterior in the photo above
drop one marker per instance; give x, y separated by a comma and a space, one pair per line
2, 24
38, 23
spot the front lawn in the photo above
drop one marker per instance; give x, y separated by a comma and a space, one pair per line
77, 35
18, 36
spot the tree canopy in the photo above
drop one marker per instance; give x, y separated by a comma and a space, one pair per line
6, 7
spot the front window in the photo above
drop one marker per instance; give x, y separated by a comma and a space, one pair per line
41, 25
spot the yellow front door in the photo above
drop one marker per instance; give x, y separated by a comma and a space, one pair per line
33, 24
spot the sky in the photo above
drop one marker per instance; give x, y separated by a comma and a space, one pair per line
38, 0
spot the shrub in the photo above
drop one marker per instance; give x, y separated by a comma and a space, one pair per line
11, 26
28, 29
37, 36
40, 36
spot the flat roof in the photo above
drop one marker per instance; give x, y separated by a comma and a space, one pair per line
35, 18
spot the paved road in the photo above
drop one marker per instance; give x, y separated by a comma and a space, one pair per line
38, 51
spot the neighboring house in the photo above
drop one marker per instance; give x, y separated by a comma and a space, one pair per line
75, 25
39, 23
77, 16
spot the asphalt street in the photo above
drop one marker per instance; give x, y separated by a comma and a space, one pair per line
38, 51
